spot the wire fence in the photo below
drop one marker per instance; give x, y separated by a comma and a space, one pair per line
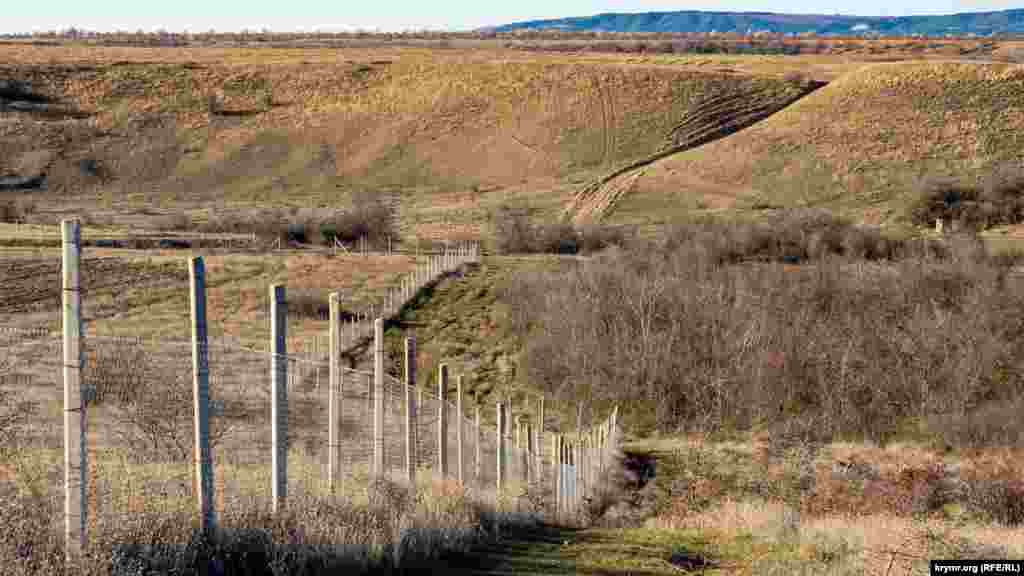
145, 422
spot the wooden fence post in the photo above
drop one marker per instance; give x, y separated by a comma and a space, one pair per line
201, 396
442, 421
378, 398
459, 452
279, 395
75, 449
410, 410
334, 395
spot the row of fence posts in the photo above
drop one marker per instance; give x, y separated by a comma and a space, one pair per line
360, 324
579, 464
527, 441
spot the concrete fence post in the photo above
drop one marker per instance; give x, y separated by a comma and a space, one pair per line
556, 475
459, 452
378, 398
279, 396
476, 444
201, 396
500, 437
419, 401
442, 421
615, 426
411, 410
334, 395
566, 491
577, 469
528, 453
75, 455
540, 438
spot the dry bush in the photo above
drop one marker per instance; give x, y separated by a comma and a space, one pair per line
788, 236
513, 231
15, 416
16, 211
999, 200
267, 225
309, 303
173, 222
681, 338
368, 217
516, 232
151, 402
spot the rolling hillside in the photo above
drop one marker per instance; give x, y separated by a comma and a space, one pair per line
980, 23
856, 145
446, 135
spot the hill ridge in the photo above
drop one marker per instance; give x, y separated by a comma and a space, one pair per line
1009, 21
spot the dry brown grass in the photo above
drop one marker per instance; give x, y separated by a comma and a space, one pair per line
379, 528
771, 508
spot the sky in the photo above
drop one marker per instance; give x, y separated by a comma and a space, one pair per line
394, 15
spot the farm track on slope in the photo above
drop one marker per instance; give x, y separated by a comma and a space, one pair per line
709, 120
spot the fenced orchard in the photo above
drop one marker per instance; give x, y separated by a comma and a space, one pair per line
212, 430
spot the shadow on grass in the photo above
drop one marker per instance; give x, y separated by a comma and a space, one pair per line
535, 550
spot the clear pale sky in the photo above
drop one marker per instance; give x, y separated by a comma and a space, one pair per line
392, 15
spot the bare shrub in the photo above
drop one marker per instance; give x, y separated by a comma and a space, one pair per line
16, 211
516, 232
152, 402
369, 217
513, 231
173, 222
999, 499
999, 200
689, 333
308, 303
14, 417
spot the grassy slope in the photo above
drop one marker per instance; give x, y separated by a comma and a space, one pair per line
452, 131
854, 146
461, 321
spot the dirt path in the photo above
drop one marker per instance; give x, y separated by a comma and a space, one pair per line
551, 550
544, 550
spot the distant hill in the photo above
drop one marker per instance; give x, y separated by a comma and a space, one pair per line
979, 23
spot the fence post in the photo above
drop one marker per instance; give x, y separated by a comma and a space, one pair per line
410, 410
500, 447
201, 396
540, 438
459, 452
577, 470
442, 421
476, 443
556, 464
75, 456
378, 398
333, 394
279, 395
530, 450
